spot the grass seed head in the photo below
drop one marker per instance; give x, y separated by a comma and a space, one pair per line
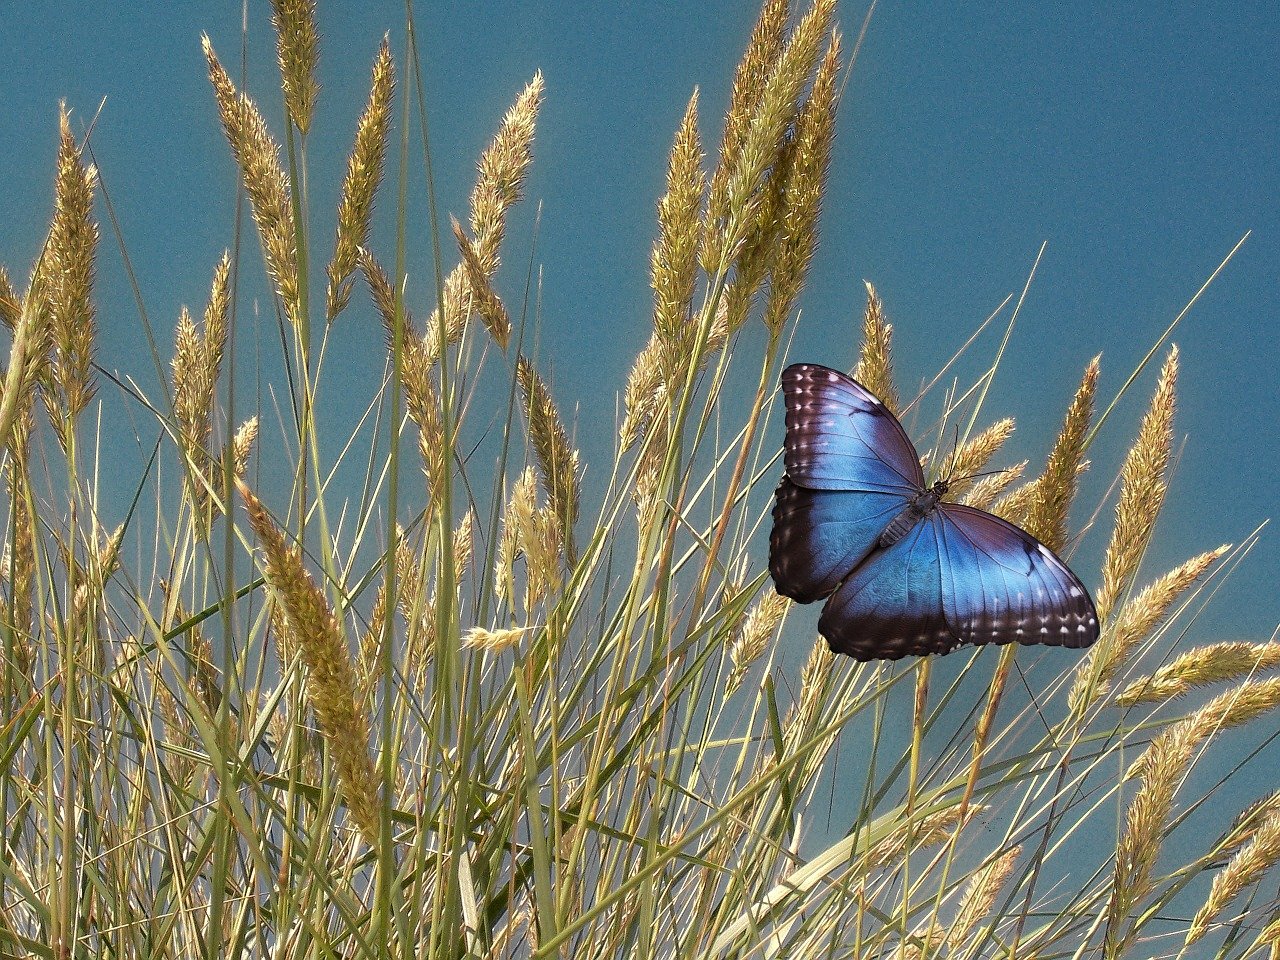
875, 364
330, 678
1047, 512
298, 45
1142, 490
360, 186
265, 183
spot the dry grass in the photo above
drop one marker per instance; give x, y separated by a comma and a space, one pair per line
479, 701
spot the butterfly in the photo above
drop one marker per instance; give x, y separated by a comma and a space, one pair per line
903, 571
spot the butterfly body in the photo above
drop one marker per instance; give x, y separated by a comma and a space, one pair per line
903, 571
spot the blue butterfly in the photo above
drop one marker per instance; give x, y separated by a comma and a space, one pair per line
904, 572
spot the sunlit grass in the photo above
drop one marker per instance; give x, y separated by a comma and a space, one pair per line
440, 697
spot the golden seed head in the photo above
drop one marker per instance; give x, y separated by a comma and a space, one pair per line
977, 452
484, 299
556, 459
1244, 869
1047, 512
980, 895
265, 183
984, 492
493, 641
752, 638
298, 43
802, 189
758, 61
68, 265
330, 679
674, 261
875, 364
1135, 621
1142, 490
1201, 666
360, 185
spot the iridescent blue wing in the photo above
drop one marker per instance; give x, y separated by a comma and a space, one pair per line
1002, 585
840, 437
820, 535
892, 605
850, 468
959, 576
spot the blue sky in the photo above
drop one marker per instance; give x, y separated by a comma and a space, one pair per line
1140, 148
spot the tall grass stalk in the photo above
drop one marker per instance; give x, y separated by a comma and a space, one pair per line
440, 696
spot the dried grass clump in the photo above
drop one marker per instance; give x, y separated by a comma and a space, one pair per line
545, 747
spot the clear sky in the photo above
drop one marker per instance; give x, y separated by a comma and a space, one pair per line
1141, 147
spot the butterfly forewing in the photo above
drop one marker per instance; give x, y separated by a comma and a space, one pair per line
840, 437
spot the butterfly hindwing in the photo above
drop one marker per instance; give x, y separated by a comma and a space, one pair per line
820, 535
840, 437
1001, 585
892, 605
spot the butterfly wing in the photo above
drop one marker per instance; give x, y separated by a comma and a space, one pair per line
1001, 585
892, 605
820, 535
959, 576
840, 437
850, 469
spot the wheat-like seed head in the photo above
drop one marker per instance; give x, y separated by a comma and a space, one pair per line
1131, 626
557, 460
643, 394
242, 447
803, 188
875, 364
757, 62
1161, 769
766, 134
494, 641
973, 455
1214, 663
1047, 512
484, 299
265, 183
502, 170
297, 42
360, 185
931, 830
69, 261
1244, 869
1142, 490
10, 303
462, 546
980, 896
752, 638
384, 301
984, 492
674, 262
330, 679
